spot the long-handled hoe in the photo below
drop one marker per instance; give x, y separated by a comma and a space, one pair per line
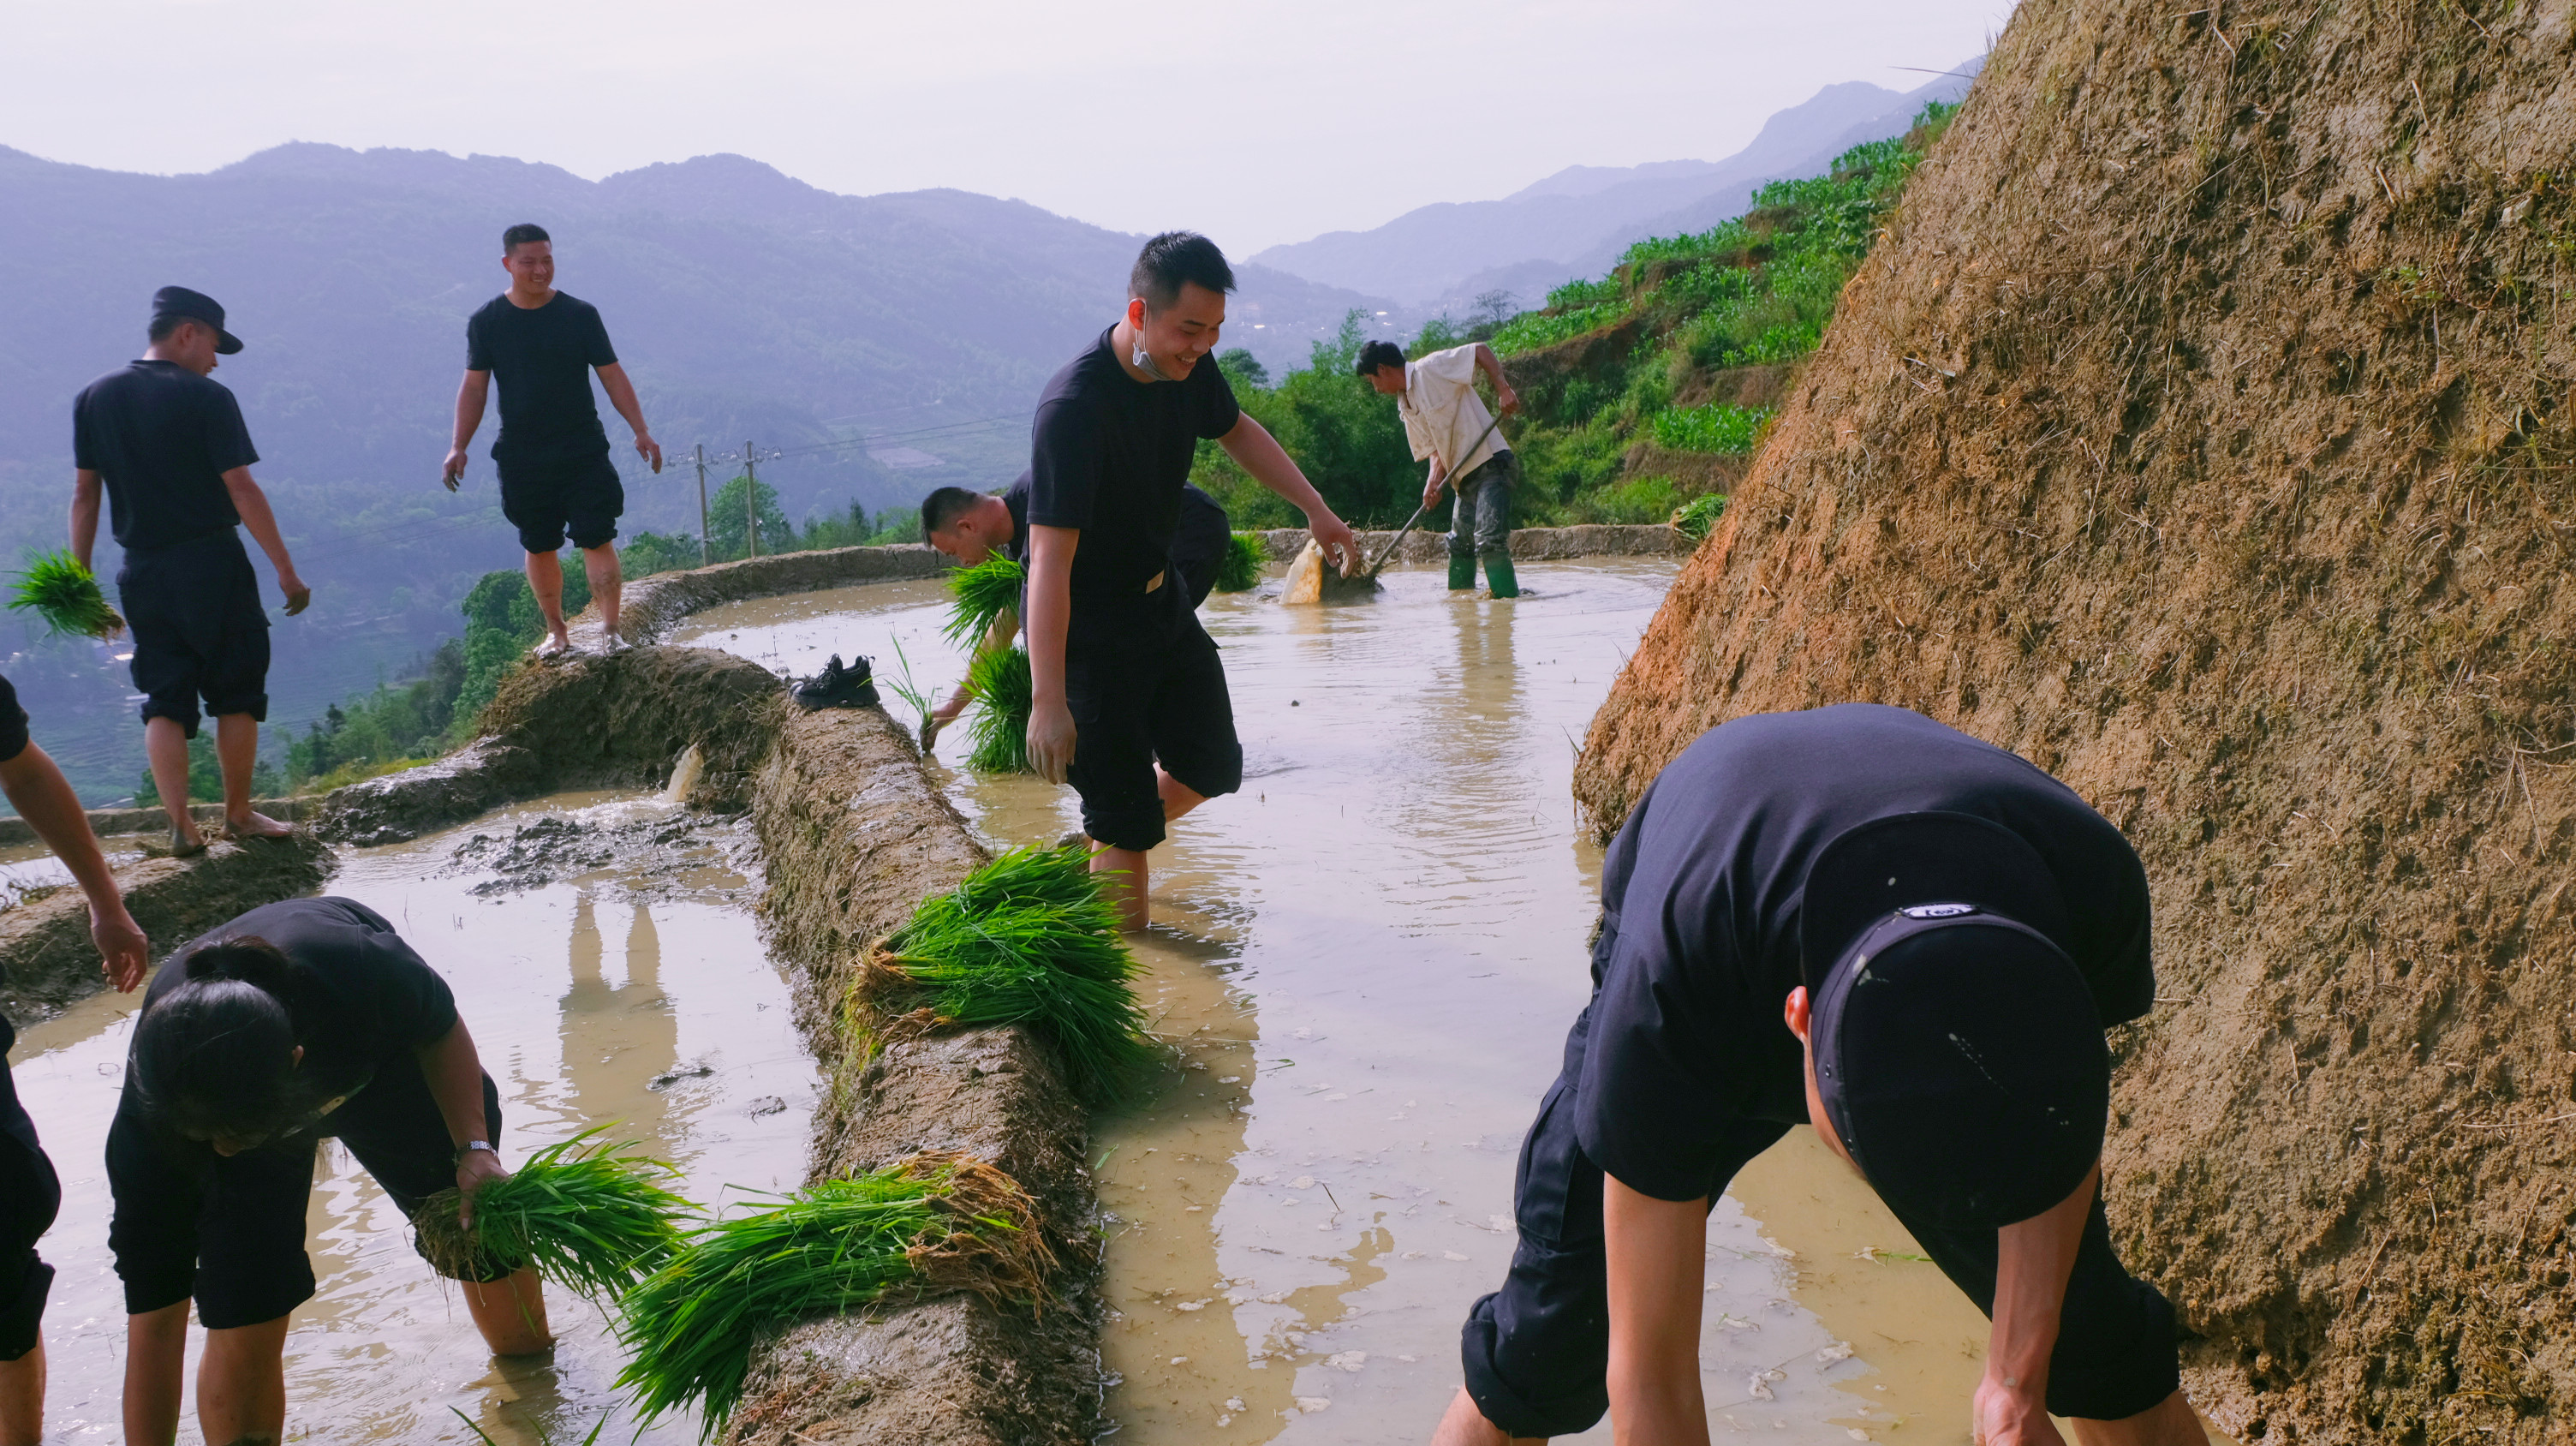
1309, 581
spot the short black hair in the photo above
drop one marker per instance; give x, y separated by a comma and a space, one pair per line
521, 234
941, 509
1173, 260
165, 324
1379, 354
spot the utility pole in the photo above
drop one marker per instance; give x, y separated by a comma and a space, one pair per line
751, 495
705, 553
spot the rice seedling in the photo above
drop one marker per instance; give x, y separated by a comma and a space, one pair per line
1696, 517
1004, 693
542, 1438
66, 596
1029, 938
907, 690
1240, 569
590, 1216
931, 1224
977, 594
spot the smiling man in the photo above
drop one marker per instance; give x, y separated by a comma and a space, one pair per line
1122, 675
552, 453
1857, 918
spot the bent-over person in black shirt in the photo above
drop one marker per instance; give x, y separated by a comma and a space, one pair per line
296, 1021
552, 454
167, 444
1859, 919
973, 526
1128, 697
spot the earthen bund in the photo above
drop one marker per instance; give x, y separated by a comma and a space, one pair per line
854, 834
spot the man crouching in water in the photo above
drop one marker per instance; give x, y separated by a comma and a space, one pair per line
1857, 918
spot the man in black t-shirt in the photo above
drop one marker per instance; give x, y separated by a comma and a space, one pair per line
29, 1191
167, 444
1121, 673
298, 1021
1860, 919
552, 453
972, 526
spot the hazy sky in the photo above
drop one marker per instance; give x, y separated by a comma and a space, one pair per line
1244, 120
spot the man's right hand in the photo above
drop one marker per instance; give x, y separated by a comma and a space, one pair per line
123, 952
1051, 738
298, 596
454, 471
2006, 1414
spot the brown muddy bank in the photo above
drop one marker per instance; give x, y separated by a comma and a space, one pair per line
2200, 430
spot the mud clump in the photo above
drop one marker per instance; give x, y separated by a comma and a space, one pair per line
649, 856
45, 950
2200, 430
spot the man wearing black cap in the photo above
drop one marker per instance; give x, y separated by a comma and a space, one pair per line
168, 445
1858, 918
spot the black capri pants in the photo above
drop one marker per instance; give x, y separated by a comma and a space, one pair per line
1144, 684
29, 1196
1537, 1352
229, 1231
199, 629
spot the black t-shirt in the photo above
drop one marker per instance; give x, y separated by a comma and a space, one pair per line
542, 357
374, 1000
13, 722
1199, 538
1110, 454
1700, 899
163, 437
1016, 498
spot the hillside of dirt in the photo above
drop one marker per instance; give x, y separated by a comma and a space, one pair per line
2201, 427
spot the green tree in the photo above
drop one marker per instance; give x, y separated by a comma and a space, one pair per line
647, 553
501, 621
1346, 438
1242, 368
729, 523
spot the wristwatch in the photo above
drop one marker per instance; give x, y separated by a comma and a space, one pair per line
470, 1146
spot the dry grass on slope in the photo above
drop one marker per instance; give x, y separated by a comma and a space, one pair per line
2204, 430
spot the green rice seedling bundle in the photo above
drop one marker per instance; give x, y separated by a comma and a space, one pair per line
977, 593
590, 1216
931, 1224
1029, 938
1240, 569
1004, 692
66, 596
1697, 517
904, 688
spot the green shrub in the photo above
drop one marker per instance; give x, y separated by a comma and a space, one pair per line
1716, 427
1577, 294
1534, 329
1636, 501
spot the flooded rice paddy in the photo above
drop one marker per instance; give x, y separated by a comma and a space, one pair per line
634, 991
1368, 960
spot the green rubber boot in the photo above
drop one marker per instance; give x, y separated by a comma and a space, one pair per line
1498, 575
1462, 571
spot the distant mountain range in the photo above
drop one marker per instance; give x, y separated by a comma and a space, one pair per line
1578, 221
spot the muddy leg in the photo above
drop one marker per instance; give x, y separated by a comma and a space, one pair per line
155, 1355
605, 582
1127, 889
1464, 1425
545, 579
165, 746
511, 1314
2171, 1422
22, 1398
241, 1383
1178, 797
237, 749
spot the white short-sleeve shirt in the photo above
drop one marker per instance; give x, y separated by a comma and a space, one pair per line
1442, 413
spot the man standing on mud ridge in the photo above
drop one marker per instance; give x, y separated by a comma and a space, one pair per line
973, 526
552, 453
1447, 422
167, 443
1122, 675
1857, 918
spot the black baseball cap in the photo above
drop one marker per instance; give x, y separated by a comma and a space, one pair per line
180, 302
1959, 1053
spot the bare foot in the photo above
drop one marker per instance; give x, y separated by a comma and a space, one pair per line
256, 825
555, 646
186, 845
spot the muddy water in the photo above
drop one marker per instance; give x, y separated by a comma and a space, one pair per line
1368, 960
636, 992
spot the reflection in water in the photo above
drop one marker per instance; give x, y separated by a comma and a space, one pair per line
574, 1037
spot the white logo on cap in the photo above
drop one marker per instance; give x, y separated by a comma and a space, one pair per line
1937, 911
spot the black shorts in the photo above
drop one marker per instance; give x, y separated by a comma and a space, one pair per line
1199, 544
29, 1196
1145, 685
230, 1231
1536, 1351
548, 500
199, 629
